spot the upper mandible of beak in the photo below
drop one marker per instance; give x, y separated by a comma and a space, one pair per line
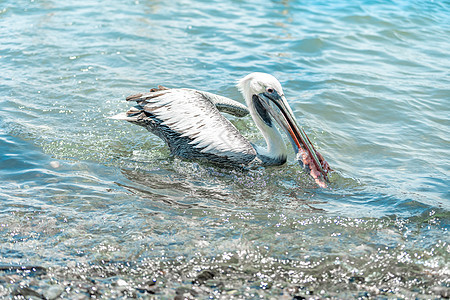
285, 117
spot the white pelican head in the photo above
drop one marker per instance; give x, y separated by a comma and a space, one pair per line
265, 99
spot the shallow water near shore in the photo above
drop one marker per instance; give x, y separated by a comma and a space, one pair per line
93, 207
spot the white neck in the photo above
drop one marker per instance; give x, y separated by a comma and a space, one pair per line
276, 148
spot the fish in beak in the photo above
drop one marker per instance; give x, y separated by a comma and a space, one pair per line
280, 110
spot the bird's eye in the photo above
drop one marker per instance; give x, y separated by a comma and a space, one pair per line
269, 90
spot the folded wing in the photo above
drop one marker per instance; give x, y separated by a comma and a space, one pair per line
192, 125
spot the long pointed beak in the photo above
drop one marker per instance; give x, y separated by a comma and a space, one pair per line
299, 139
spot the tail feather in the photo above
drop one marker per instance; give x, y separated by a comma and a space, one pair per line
122, 116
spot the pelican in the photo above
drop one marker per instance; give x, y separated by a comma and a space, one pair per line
191, 123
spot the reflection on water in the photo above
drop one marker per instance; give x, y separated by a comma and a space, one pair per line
93, 207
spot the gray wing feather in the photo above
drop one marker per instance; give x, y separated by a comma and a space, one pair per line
227, 105
190, 122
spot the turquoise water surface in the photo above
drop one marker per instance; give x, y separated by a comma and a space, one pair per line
94, 207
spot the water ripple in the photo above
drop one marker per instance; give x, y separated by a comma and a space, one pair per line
98, 208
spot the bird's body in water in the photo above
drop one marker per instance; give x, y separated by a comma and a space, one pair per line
191, 123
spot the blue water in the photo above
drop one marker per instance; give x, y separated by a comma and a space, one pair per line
93, 207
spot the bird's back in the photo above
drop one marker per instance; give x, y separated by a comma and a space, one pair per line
191, 125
